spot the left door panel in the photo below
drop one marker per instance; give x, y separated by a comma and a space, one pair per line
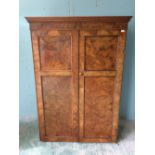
56, 70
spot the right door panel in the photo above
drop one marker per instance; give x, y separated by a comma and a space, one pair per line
98, 52
98, 107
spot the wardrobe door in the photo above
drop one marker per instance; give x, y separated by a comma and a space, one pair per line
56, 69
101, 59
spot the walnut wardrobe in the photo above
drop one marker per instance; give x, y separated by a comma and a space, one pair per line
78, 64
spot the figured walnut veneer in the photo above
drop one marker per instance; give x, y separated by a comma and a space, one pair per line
98, 95
78, 63
55, 50
57, 98
100, 53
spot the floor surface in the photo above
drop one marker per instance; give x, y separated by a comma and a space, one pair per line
31, 145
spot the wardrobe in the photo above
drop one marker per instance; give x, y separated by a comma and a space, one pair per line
78, 65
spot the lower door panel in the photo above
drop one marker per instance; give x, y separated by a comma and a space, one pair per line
98, 107
60, 111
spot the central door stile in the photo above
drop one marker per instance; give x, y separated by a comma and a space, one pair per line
75, 108
81, 86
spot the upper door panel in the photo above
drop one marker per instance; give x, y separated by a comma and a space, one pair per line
55, 50
99, 50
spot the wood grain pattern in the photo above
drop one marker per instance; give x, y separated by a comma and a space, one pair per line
55, 73
78, 23
98, 50
118, 84
36, 59
99, 73
75, 64
100, 53
44, 83
98, 107
104, 26
100, 47
55, 50
81, 86
57, 98
78, 64
118, 19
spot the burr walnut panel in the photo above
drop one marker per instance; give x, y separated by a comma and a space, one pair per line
57, 100
55, 50
100, 52
78, 64
99, 49
98, 107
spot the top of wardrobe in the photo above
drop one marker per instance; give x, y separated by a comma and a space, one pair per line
121, 19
